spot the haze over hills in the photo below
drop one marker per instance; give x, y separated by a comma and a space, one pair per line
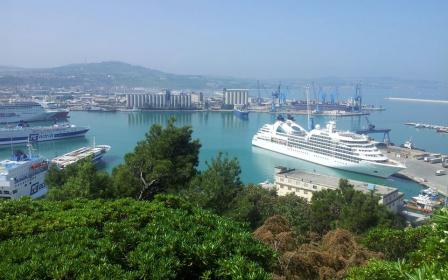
114, 73
109, 73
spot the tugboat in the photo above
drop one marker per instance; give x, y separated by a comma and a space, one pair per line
241, 112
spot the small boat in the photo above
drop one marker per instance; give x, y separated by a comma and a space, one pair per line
409, 145
431, 193
96, 151
241, 112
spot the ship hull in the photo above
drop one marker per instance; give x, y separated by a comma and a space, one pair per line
363, 167
26, 136
44, 116
241, 114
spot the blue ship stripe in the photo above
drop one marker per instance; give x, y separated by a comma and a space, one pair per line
66, 134
13, 139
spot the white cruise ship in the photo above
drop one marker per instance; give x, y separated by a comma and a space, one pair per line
23, 133
326, 146
23, 175
14, 112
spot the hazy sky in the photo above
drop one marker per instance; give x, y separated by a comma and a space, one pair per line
258, 39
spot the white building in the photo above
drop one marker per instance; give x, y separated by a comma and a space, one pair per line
304, 184
235, 96
162, 100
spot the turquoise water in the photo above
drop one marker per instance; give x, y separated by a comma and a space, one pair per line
222, 132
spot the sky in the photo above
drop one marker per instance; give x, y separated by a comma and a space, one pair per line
251, 39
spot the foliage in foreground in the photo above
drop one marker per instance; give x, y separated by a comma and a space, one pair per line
349, 209
80, 180
125, 239
327, 258
426, 259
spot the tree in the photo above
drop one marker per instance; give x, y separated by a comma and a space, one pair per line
349, 209
166, 238
427, 258
253, 205
217, 186
165, 161
79, 180
395, 244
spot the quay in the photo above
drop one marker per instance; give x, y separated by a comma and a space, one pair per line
417, 100
423, 173
438, 128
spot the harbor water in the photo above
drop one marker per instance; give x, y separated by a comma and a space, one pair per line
224, 132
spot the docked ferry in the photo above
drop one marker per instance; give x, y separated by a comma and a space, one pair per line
23, 175
23, 133
241, 112
14, 112
96, 152
326, 146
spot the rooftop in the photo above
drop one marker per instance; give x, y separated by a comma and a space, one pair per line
333, 181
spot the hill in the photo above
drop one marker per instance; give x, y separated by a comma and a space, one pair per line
107, 74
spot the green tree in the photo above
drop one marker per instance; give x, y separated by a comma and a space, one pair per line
426, 259
349, 209
395, 243
253, 205
79, 180
166, 238
165, 161
217, 186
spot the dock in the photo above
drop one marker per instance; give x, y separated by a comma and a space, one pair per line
417, 170
438, 128
415, 218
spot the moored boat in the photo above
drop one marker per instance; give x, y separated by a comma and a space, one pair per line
14, 112
95, 151
23, 175
326, 146
241, 112
23, 133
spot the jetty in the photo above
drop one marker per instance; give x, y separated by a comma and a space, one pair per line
438, 128
417, 100
417, 169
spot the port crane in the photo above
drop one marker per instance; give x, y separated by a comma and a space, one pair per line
357, 99
259, 99
278, 96
371, 128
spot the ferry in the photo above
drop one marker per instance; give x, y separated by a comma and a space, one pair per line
23, 133
14, 112
241, 112
326, 146
96, 151
23, 175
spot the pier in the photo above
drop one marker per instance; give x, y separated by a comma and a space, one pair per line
417, 170
438, 128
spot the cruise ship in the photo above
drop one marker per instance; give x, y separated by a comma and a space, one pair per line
326, 146
14, 112
23, 133
23, 175
96, 151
